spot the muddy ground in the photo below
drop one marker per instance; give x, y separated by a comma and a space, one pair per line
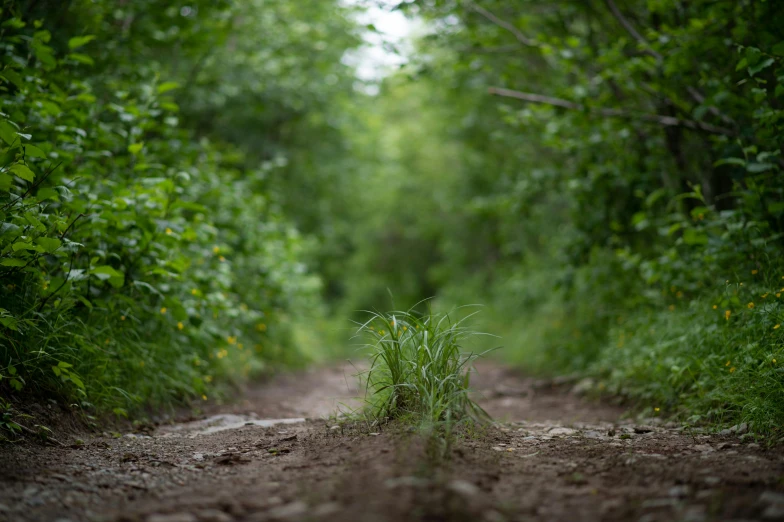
553, 456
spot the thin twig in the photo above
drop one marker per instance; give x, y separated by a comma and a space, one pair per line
695, 94
666, 121
504, 25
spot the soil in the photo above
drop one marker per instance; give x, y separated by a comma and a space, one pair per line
553, 455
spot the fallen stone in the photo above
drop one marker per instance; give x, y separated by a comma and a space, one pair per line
584, 386
656, 503
741, 428
772, 497
561, 431
290, 510
463, 488
704, 448
774, 512
172, 517
679, 491
213, 515
325, 510
712, 481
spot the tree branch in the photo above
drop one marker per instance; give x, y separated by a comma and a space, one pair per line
632, 31
695, 94
504, 25
666, 121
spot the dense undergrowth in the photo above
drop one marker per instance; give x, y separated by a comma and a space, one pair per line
144, 254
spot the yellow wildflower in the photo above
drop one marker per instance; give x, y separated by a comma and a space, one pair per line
656, 409
163, 310
232, 339
122, 318
732, 370
222, 259
754, 272
168, 231
774, 361
208, 378
141, 364
764, 295
715, 307
180, 326
203, 397
672, 307
777, 327
263, 327
778, 294
194, 292
728, 363
750, 306
215, 249
405, 328
679, 294
727, 314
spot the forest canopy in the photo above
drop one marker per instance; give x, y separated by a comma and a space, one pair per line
195, 192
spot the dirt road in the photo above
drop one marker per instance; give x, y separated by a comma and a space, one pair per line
554, 456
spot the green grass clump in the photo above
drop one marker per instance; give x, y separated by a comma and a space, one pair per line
420, 369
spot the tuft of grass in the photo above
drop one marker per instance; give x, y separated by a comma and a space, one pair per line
420, 369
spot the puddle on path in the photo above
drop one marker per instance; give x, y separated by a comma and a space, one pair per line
222, 422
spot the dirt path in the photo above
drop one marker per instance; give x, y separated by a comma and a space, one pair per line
555, 457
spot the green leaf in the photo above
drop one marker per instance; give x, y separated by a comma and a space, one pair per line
63, 364
47, 193
778, 49
22, 246
167, 86
13, 262
79, 41
135, 148
34, 152
76, 380
764, 64
8, 133
107, 273
692, 236
81, 58
730, 161
22, 171
759, 167
13, 77
50, 244
5, 181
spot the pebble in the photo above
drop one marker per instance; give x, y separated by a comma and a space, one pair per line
172, 517
562, 431
774, 512
772, 497
290, 510
463, 488
325, 510
213, 515
679, 491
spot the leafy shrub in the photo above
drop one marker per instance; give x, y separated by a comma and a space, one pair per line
139, 262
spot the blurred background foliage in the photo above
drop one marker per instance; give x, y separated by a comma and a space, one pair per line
195, 191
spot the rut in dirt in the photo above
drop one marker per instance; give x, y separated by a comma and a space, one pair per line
553, 456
